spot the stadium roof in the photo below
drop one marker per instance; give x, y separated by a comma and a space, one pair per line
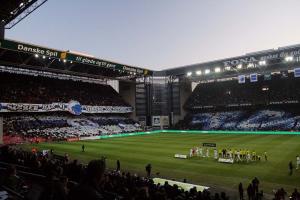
262, 62
14, 11
24, 55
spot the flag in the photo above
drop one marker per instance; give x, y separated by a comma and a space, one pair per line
242, 78
253, 77
297, 72
284, 74
267, 77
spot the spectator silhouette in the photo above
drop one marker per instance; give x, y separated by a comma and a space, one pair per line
89, 188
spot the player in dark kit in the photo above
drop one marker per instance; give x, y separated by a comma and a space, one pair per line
291, 167
118, 165
82, 148
148, 170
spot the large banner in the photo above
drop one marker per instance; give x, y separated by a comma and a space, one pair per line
72, 57
73, 107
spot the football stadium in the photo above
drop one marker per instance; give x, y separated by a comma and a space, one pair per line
74, 126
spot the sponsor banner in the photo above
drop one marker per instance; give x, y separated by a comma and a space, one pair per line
89, 138
43, 51
284, 102
7, 139
209, 144
226, 160
73, 139
31, 49
103, 63
264, 56
180, 156
156, 121
73, 107
164, 121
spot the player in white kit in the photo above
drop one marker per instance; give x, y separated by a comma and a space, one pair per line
201, 152
215, 154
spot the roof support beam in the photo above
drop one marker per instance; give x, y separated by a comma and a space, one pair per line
2, 29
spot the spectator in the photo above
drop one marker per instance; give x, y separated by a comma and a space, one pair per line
148, 169
118, 166
241, 191
90, 187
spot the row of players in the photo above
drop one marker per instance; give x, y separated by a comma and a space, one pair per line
236, 155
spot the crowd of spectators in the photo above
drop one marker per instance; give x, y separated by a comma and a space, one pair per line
16, 88
65, 126
231, 93
60, 179
46, 176
244, 120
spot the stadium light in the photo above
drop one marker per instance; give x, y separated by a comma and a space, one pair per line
239, 66
228, 68
199, 72
189, 74
21, 4
262, 62
44, 57
207, 71
36, 55
217, 69
250, 65
289, 58
65, 60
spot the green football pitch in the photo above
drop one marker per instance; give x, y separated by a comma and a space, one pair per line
134, 152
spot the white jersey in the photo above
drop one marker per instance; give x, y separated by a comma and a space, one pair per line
200, 152
207, 152
230, 154
215, 154
239, 155
248, 157
298, 160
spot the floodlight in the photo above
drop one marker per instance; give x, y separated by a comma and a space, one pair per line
228, 68
217, 69
262, 62
289, 58
189, 74
199, 72
250, 65
207, 71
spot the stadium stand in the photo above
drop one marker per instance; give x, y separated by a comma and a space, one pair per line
232, 94
246, 120
31, 89
64, 127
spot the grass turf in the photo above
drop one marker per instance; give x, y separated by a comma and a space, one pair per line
135, 152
